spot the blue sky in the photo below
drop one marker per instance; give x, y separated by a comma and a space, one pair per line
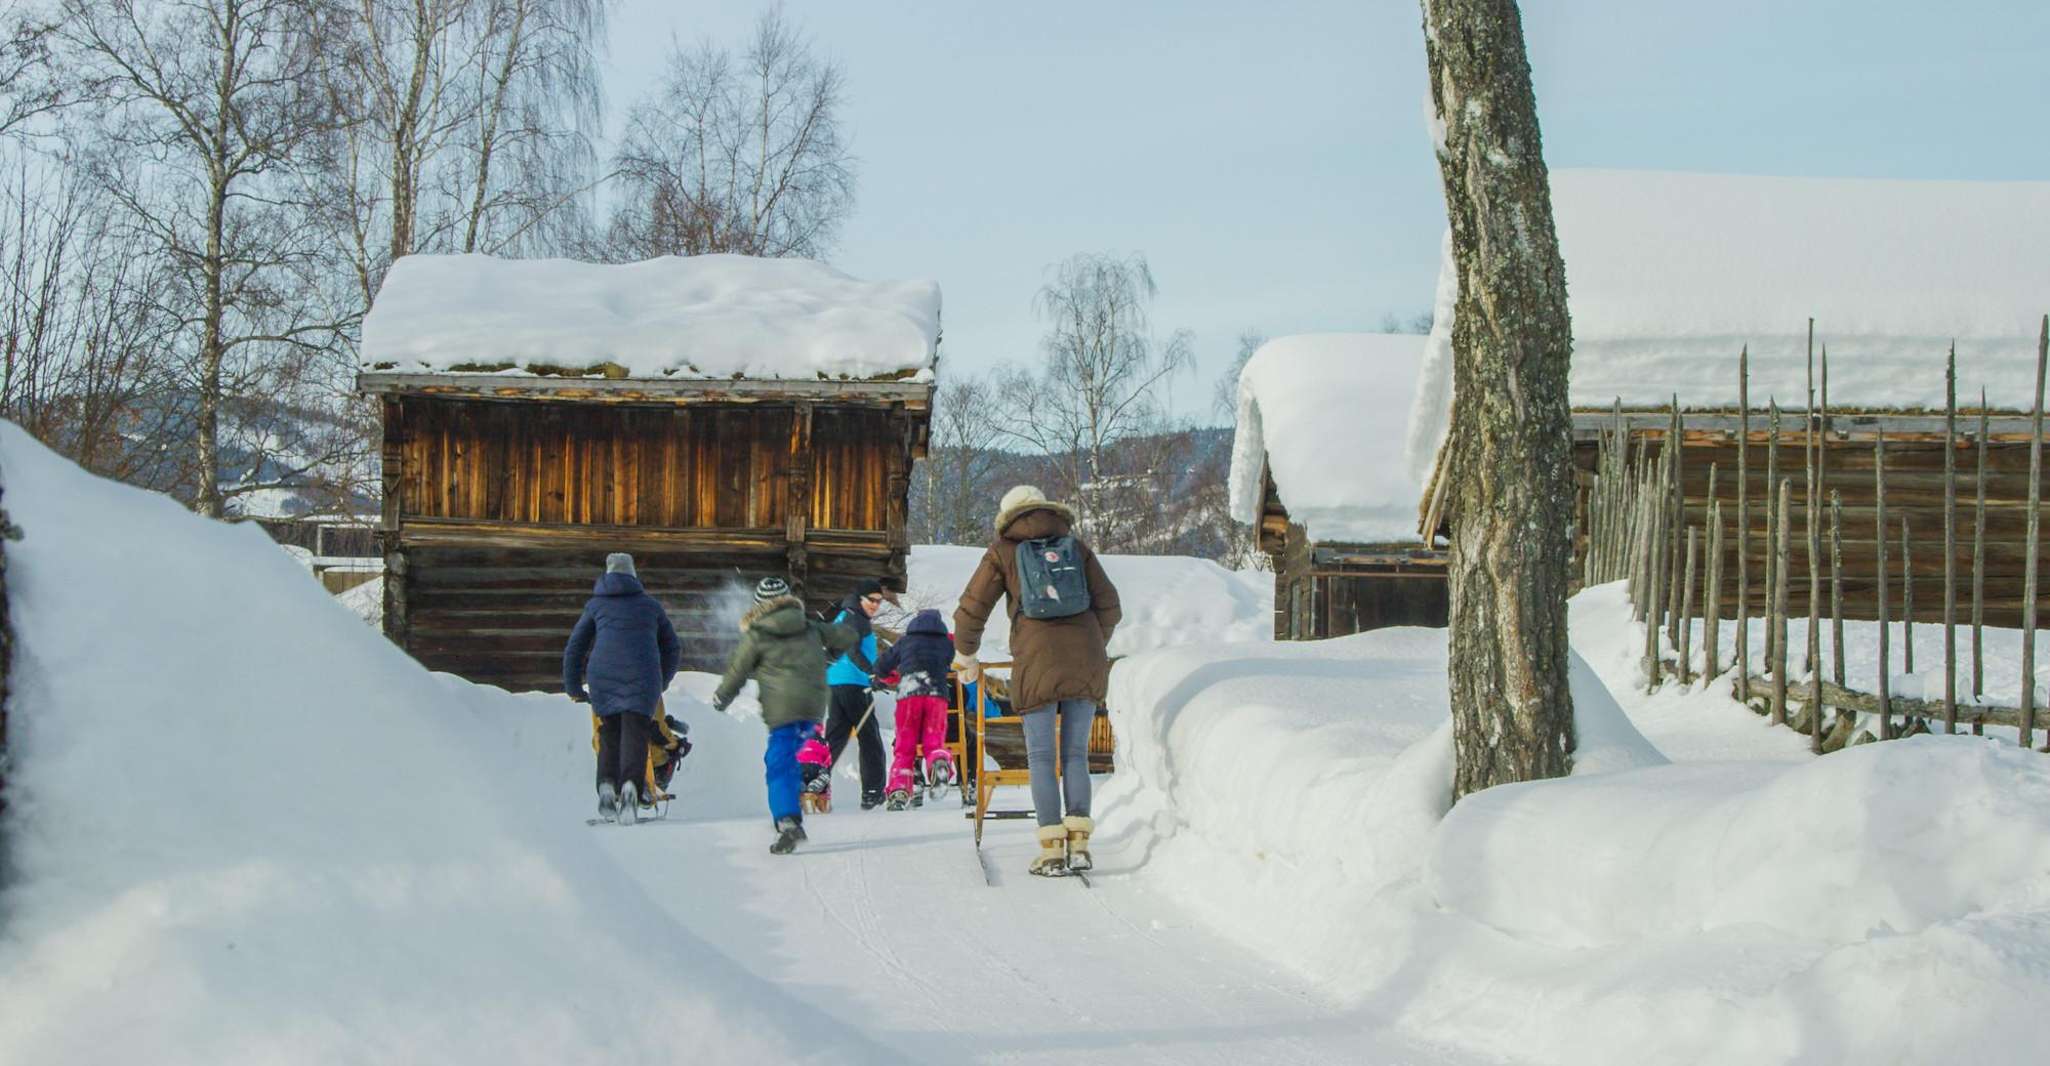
1271, 159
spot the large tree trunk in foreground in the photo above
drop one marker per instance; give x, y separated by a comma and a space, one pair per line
1511, 489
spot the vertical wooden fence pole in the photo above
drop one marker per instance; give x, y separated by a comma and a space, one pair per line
1979, 563
1811, 652
1687, 612
1776, 623
1743, 636
1811, 502
1678, 504
1836, 584
1907, 599
1772, 524
1950, 542
1879, 534
2028, 692
1712, 605
1655, 508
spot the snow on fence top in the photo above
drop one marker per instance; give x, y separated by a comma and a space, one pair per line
707, 316
1669, 275
1326, 412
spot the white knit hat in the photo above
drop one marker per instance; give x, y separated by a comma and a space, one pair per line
770, 588
1020, 497
620, 563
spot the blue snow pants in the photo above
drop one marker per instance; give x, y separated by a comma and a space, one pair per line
780, 768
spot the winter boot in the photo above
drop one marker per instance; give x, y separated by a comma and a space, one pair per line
629, 803
898, 800
608, 801
789, 831
1052, 860
939, 773
1079, 827
871, 800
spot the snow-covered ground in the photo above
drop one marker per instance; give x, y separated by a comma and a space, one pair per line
244, 828
1744, 903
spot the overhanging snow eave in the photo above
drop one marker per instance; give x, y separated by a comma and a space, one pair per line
912, 395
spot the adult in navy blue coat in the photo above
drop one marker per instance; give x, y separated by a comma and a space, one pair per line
621, 656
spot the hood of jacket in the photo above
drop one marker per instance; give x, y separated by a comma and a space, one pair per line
1039, 519
780, 617
617, 585
927, 623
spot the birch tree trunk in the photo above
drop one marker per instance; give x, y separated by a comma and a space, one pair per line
1510, 462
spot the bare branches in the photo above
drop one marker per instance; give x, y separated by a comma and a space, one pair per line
1099, 383
736, 153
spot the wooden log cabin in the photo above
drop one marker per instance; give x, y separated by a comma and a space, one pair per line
1673, 277
1319, 472
721, 418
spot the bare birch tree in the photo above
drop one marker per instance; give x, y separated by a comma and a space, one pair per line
1099, 383
960, 463
1511, 489
82, 329
736, 153
206, 112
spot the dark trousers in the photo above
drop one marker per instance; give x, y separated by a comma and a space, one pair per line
850, 702
623, 750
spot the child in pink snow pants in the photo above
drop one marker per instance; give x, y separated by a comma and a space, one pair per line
921, 659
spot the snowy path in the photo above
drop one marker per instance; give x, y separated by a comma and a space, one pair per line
883, 921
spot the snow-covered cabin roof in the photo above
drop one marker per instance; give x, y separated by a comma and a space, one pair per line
707, 316
1325, 415
1669, 275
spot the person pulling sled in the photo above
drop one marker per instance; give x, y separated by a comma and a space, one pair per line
1063, 610
784, 652
620, 658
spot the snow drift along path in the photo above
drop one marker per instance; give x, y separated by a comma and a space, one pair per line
244, 828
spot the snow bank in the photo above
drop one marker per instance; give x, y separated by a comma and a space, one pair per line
1888, 903
1892, 838
244, 827
1275, 787
1167, 599
1670, 275
1325, 414
707, 316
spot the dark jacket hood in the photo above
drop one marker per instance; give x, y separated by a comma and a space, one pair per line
927, 623
617, 585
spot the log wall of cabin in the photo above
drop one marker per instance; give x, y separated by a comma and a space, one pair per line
1914, 489
1327, 590
498, 517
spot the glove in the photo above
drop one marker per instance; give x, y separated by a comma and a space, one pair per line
968, 669
720, 705
580, 697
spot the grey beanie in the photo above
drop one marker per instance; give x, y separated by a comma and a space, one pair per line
770, 588
620, 563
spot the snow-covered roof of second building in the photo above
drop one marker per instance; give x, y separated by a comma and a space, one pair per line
707, 316
1327, 414
1669, 274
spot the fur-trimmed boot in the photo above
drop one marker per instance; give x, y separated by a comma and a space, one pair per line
1052, 860
1079, 827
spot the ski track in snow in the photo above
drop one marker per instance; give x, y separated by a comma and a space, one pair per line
882, 921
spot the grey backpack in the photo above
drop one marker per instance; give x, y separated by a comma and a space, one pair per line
1052, 582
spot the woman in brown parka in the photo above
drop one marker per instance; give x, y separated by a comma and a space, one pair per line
1059, 674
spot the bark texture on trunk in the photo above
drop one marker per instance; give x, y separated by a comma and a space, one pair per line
1510, 461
